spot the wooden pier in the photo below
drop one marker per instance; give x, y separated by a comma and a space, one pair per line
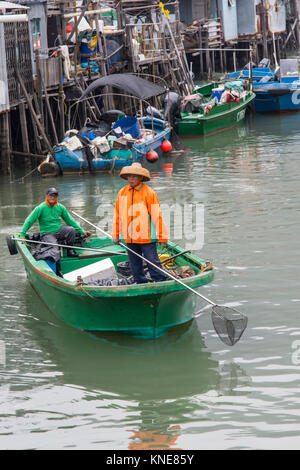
99, 38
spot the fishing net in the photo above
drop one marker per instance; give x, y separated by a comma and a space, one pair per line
228, 323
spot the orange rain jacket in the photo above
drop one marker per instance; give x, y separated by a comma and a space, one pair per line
138, 217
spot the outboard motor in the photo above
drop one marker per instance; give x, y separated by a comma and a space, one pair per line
265, 79
264, 63
172, 104
247, 66
151, 111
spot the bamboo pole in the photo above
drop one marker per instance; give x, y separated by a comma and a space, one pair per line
33, 113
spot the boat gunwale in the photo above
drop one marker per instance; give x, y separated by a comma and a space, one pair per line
133, 290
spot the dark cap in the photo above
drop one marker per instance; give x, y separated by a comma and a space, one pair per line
52, 191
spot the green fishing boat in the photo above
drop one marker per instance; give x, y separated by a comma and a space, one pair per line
213, 118
140, 310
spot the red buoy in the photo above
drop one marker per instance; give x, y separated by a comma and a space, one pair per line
166, 146
207, 109
152, 156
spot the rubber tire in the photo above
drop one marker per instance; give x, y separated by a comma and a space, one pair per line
11, 244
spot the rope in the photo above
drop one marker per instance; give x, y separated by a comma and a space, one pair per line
25, 176
79, 286
113, 163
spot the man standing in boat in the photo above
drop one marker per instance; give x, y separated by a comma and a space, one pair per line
49, 214
138, 217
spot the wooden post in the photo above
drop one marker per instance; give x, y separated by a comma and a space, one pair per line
24, 131
264, 26
201, 53
5, 147
297, 16
35, 119
61, 98
208, 65
63, 23
221, 61
44, 89
39, 85
225, 60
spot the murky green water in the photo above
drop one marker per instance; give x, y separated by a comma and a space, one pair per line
61, 388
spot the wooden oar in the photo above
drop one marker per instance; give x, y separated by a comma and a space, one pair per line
70, 246
228, 322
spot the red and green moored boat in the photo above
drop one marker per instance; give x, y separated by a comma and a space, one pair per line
216, 118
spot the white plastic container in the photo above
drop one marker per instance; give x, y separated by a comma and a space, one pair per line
103, 269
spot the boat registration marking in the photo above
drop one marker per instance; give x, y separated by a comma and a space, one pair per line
240, 115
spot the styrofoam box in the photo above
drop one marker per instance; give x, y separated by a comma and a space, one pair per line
103, 269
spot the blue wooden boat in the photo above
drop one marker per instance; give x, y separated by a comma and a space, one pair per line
280, 92
67, 161
87, 155
257, 74
277, 96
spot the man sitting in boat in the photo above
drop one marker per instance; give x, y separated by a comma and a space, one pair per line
49, 214
138, 217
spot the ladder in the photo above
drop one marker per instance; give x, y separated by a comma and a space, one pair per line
151, 44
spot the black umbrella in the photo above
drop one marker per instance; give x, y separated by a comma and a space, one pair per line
132, 84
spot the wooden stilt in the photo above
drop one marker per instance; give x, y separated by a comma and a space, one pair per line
35, 118
24, 131
5, 147
61, 99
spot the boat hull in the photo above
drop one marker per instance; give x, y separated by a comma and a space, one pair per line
68, 161
267, 101
144, 311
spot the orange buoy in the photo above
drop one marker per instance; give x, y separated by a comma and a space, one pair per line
166, 146
152, 156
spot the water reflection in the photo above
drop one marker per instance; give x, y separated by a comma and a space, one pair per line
160, 382
173, 366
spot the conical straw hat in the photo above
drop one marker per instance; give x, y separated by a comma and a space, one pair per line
135, 169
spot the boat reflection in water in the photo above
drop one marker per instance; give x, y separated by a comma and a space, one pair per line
157, 379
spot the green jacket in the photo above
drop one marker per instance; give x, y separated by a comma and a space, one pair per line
49, 219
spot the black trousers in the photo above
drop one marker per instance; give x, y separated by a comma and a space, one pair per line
66, 235
148, 251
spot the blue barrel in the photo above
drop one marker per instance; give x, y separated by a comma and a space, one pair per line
84, 48
86, 51
129, 125
217, 92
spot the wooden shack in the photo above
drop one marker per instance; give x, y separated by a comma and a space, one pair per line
37, 20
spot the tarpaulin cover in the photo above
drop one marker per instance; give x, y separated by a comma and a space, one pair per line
132, 84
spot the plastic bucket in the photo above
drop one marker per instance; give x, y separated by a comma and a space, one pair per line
128, 125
